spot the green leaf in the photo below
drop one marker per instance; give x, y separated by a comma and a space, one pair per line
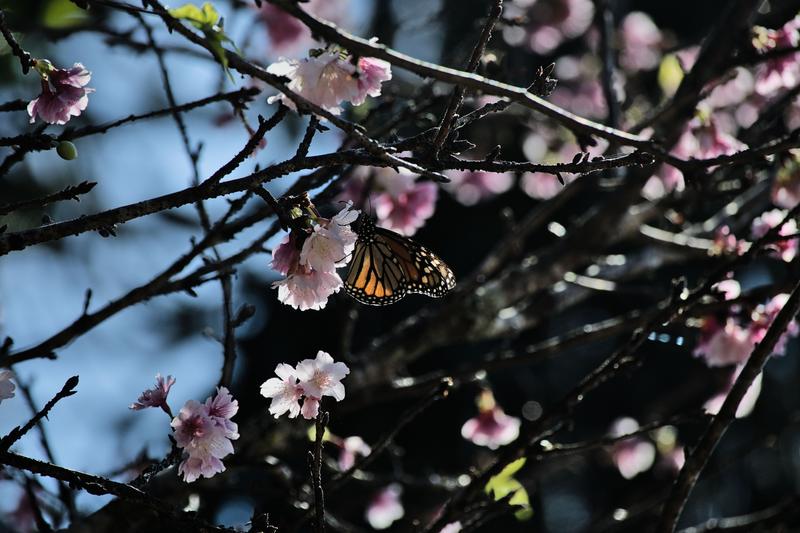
201, 18
62, 14
504, 483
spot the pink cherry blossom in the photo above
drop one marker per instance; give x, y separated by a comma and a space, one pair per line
782, 72
641, 42
724, 344
64, 93
764, 315
472, 186
550, 22
204, 439
748, 403
352, 447
157, 396
284, 391
322, 376
328, 80
729, 288
405, 203
785, 249
634, 455
712, 141
286, 256
385, 508
307, 288
372, 73
330, 244
543, 186
289, 36
492, 427
221, 409
7, 386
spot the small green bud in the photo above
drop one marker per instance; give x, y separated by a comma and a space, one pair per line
67, 150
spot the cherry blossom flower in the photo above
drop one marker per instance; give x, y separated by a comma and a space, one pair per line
402, 203
702, 139
310, 270
328, 80
7, 386
372, 73
748, 403
551, 22
543, 186
641, 42
307, 288
284, 391
726, 242
221, 409
472, 186
385, 507
286, 255
205, 437
729, 288
289, 36
492, 427
634, 455
785, 249
331, 243
764, 315
724, 344
781, 72
352, 447
157, 396
310, 381
64, 93
322, 376
405, 204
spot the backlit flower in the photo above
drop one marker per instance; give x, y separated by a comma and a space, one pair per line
405, 203
7, 386
322, 376
784, 249
385, 507
641, 42
64, 93
724, 344
634, 455
492, 427
308, 288
157, 396
204, 440
352, 447
284, 391
548, 22
782, 72
328, 80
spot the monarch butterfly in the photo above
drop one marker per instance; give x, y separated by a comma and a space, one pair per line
386, 266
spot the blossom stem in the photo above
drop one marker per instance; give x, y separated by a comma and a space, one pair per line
316, 471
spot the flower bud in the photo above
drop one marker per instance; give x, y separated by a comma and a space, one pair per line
67, 150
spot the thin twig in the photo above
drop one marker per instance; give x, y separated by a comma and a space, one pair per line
316, 472
457, 97
25, 59
72, 192
18, 432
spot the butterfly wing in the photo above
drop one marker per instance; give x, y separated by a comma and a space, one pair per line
386, 266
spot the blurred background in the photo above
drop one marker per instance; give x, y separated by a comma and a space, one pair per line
42, 288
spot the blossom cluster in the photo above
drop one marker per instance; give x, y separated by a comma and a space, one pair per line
309, 259
308, 382
329, 78
204, 431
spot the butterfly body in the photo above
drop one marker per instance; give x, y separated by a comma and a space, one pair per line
386, 266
